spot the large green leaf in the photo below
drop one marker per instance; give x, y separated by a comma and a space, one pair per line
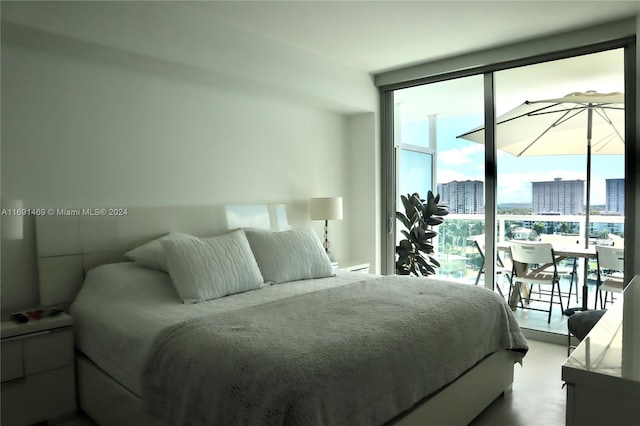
426, 247
425, 267
434, 261
418, 220
403, 218
405, 203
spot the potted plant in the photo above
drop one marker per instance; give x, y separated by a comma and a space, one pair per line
415, 252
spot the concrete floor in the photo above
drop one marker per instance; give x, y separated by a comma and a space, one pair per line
538, 397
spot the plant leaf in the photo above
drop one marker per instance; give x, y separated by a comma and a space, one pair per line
402, 218
420, 218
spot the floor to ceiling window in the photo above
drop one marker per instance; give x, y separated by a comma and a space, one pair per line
431, 158
539, 195
544, 189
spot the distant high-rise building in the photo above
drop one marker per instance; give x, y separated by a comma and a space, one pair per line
463, 197
615, 196
558, 197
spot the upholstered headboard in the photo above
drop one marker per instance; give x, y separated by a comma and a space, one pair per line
72, 241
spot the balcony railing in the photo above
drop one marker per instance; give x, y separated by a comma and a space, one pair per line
460, 259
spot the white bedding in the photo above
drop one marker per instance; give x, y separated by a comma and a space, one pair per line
357, 355
122, 307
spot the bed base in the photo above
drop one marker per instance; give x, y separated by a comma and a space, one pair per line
107, 402
462, 400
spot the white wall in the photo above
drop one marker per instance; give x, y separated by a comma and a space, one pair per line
363, 206
83, 132
89, 125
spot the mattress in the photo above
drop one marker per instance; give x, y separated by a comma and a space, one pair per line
122, 307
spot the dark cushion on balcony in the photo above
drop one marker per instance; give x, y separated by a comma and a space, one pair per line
581, 323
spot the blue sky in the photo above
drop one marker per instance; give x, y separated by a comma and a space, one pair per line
459, 159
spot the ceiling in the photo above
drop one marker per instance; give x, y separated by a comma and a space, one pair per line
321, 53
375, 36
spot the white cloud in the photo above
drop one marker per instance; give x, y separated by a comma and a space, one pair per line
457, 156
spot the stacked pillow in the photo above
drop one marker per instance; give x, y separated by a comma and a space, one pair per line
151, 255
289, 255
209, 268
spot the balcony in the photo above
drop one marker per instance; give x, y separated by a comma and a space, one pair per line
460, 259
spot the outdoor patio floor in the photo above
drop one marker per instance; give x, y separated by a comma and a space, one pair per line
537, 320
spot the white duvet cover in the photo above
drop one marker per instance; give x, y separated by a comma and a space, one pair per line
122, 307
357, 355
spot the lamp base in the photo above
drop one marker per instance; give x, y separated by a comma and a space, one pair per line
326, 241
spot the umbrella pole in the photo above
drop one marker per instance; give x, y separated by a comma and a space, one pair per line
589, 127
585, 289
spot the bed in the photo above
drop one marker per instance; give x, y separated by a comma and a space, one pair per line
323, 347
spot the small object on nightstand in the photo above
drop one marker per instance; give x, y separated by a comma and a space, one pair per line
20, 318
54, 312
41, 313
35, 314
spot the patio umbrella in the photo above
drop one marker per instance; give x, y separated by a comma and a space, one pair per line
579, 123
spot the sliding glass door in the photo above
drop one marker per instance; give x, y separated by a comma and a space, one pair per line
549, 186
429, 124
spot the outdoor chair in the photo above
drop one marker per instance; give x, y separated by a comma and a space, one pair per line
534, 264
501, 268
610, 273
571, 270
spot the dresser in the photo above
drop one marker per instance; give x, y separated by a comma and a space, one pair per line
603, 373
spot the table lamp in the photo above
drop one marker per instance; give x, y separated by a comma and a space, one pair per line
326, 208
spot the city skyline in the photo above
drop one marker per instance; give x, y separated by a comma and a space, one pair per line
459, 159
548, 197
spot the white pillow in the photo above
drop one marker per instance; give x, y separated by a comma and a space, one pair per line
289, 255
208, 268
151, 254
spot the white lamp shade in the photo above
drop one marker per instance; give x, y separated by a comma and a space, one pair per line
326, 208
11, 222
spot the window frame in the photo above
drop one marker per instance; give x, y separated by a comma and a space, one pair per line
618, 35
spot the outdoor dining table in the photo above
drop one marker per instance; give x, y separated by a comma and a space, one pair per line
561, 251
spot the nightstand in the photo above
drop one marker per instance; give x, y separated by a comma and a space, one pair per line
353, 266
38, 378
